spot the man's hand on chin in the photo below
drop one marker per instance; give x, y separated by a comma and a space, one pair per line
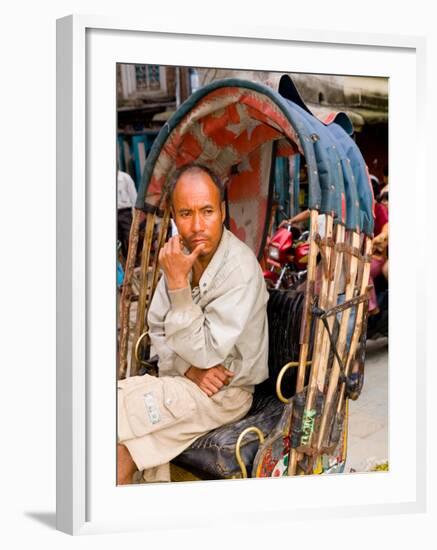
176, 264
210, 380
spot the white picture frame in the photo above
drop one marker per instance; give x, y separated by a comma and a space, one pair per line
87, 499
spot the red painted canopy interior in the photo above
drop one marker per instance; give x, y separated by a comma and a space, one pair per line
232, 131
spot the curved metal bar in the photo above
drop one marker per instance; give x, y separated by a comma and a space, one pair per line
238, 445
281, 376
137, 347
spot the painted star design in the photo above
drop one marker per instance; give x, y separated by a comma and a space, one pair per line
246, 123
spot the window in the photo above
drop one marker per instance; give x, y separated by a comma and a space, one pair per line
142, 79
147, 77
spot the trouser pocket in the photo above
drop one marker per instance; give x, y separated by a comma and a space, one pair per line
151, 404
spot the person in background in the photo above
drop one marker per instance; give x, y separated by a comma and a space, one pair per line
379, 264
385, 182
126, 197
299, 219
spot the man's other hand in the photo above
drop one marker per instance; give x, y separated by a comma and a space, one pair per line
210, 380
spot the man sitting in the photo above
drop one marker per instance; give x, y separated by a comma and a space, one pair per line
208, 325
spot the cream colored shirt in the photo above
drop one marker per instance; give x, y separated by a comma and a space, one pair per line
222, 321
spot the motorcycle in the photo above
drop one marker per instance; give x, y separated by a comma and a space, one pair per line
287, 255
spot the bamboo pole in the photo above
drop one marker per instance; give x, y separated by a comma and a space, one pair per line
306, 322
309, 413
126, 292
144, 285
341, 342
155, 268
359, 318
331, 301
327, 300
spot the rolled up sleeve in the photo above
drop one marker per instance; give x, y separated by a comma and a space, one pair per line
169, 362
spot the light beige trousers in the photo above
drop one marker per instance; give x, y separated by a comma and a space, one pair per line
160, 417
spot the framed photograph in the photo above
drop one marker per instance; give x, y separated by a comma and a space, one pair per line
113, 76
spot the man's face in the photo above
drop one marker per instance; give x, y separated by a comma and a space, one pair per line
198, 212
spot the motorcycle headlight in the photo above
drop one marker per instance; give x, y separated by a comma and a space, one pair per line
274, 253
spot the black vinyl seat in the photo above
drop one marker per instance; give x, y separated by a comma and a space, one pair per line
213, 456
214, 453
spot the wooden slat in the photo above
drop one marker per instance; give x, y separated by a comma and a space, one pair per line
351, 274
144, 286
126, 292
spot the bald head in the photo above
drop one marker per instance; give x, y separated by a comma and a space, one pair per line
195, 170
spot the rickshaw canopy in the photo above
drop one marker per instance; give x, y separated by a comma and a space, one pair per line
237, 128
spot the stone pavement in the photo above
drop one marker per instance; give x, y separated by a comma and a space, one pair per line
368, 420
